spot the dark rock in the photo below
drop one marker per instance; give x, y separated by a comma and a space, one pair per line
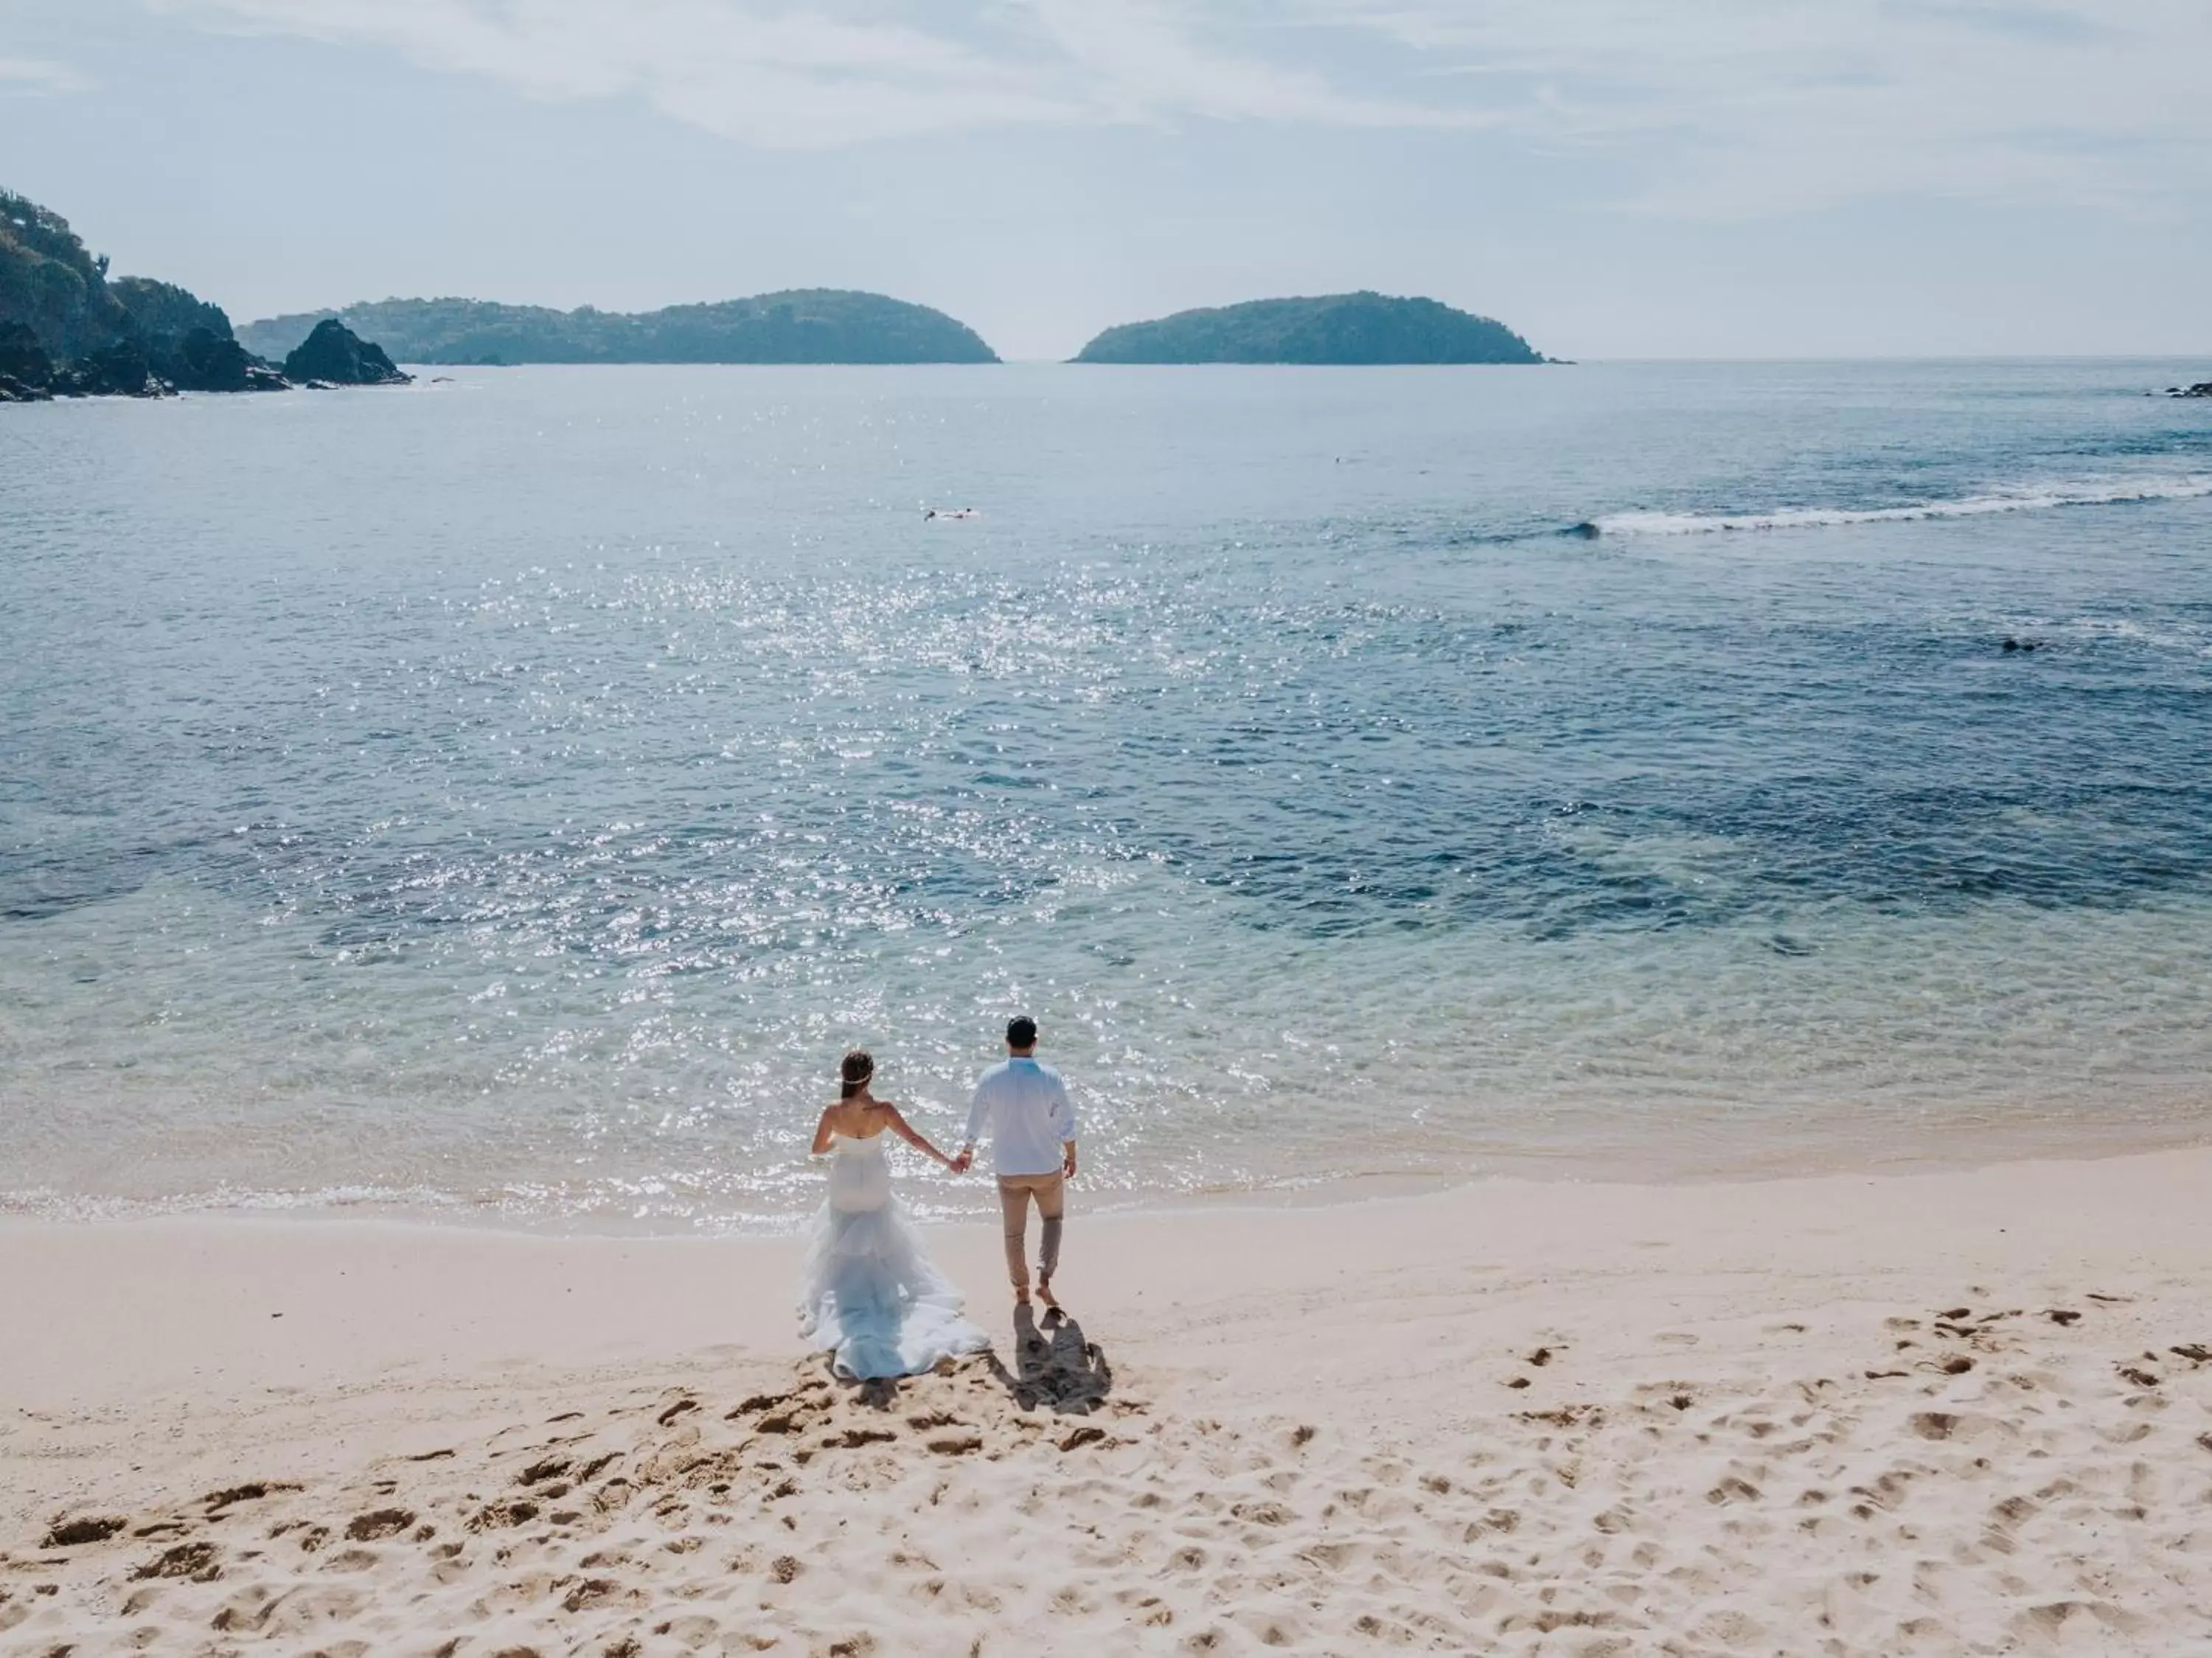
22, 359
119, 371
2202, 388
337, 354
14, 391
204, 362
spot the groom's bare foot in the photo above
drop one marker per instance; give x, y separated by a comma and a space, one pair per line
1045, 1294
1022, 1297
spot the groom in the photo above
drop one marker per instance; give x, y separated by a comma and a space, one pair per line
1023, 1106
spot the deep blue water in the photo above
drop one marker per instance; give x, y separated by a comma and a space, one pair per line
513, 793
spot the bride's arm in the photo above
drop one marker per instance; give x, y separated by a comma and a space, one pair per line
822, 1135
918, 1141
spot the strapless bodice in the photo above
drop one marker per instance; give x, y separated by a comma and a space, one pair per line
860, 1174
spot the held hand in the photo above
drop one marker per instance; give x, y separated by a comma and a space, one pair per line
960, 1165
1068, 1164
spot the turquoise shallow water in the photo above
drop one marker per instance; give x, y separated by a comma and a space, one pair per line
507, 796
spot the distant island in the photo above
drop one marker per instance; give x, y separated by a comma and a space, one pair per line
68, 330
1362, 328
805, 324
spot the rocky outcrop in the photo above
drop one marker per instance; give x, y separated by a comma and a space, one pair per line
337, 355
121, 370
67, 330
188, 341
204, 362
2202, 388
27, 373
23, 359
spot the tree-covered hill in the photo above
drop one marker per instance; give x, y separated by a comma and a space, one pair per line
160, 308
1333, 328
50, 284
810, 325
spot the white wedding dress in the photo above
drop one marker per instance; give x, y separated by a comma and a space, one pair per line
872, 1300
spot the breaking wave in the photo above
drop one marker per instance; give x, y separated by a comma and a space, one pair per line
2031, 498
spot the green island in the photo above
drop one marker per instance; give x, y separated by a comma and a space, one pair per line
1362, 328
806, 325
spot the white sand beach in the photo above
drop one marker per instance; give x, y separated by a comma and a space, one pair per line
1960, 1412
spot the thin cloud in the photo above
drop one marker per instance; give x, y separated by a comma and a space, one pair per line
1737, 107
840, 73
783, 79
1145, 62
1696, 107
38, 75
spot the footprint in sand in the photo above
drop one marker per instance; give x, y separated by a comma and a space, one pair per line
88, 1528
197, 1561
505, 1513
252, 1491
379, 1524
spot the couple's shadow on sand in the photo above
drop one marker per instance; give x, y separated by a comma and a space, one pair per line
1056, 1366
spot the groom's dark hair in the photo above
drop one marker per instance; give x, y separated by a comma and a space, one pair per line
1021, 1031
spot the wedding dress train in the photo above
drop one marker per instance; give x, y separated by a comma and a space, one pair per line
872, 1299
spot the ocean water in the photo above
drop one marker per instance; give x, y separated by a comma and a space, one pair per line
507, 797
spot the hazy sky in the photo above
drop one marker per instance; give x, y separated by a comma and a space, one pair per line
1611, 177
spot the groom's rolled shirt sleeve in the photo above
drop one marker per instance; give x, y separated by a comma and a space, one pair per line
1063, 1113
979, 1114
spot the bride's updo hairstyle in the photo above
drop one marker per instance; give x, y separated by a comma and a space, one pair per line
854, 1071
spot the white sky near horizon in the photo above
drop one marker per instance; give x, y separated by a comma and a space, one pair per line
1612, 178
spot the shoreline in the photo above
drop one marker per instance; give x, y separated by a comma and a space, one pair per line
1965, 1148
1334, 1409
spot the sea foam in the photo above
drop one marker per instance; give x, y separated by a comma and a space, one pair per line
2035, 497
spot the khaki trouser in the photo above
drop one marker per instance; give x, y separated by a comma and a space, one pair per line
1015, 1192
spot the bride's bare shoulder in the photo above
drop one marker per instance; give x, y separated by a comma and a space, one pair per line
859, 1119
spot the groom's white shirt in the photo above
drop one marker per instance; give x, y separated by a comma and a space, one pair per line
1024, 1108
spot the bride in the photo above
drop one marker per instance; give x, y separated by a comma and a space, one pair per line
873, 1301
